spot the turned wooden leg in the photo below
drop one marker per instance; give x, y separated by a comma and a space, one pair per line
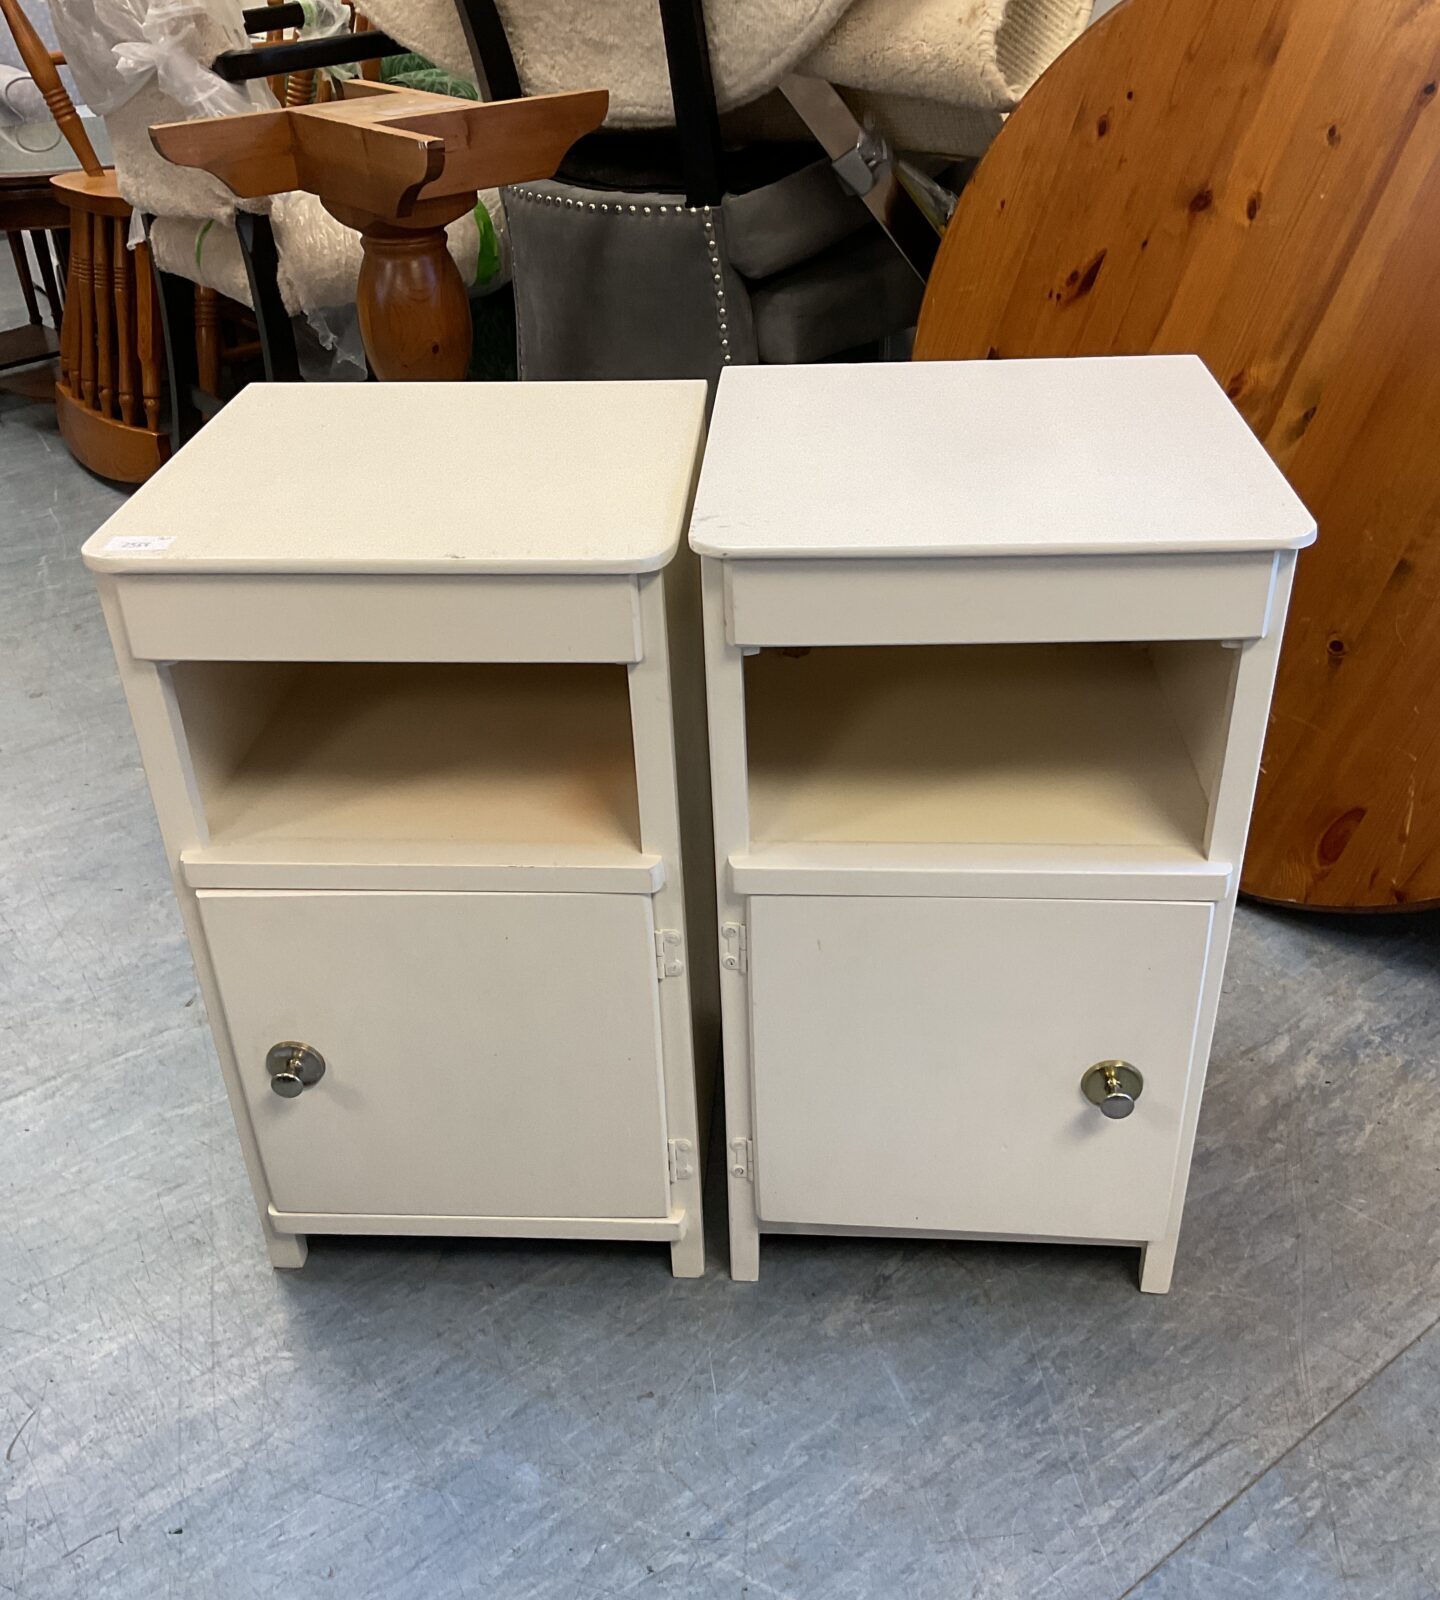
147, 336
207, 339
122, 272
104, 302
414, 312
85, 298
300, 89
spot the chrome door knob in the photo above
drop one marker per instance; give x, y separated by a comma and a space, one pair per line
1114, 1086
293, 1068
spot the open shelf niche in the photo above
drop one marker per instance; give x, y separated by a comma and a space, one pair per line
395, 761
1103, 745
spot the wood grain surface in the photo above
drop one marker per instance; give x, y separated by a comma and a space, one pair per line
1258, 181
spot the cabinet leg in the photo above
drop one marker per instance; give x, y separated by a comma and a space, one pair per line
744, 1233
287, 1250
687, 1255
1157, 1263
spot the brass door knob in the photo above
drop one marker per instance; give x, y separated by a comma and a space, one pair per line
293, 1068
1114, 1086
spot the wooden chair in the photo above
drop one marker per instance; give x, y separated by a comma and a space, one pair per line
1258, 181
108, 392
28, 207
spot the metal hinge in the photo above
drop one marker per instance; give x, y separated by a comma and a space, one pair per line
734, 947
742, 1163
682, 1160
669, 959
861, 166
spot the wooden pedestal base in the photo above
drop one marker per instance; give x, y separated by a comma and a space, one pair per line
414, 311
397, 165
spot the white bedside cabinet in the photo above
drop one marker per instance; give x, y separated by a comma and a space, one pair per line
990, 649
399, 665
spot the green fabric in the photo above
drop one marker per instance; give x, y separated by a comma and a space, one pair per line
415, 72
487, 261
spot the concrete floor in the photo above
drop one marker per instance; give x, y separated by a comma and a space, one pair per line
873, 1419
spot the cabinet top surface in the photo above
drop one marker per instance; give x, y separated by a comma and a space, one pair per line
421, 478
1083, 456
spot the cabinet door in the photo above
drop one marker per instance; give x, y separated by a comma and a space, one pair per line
485, 1054
917, 1063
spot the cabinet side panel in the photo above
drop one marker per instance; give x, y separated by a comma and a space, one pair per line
223, 708
1229, 826
174, 793
692, 761
1197, 679
725, 702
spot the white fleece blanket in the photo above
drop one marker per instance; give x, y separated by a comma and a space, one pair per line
960, 53
973, 53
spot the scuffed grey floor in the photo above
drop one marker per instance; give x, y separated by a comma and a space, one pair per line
873, 1419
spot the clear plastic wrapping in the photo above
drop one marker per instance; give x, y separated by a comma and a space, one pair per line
137, 62
115, 47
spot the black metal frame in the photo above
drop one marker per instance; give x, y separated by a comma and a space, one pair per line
490, 52
303, 55
190, 405
692, 84
692, 93
258, 249
176, 296
268, 19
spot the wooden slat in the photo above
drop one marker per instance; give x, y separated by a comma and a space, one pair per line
369, 70
69, 358
147, 336
274, 36
80, 242
207, 339
122, 276
104, 289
